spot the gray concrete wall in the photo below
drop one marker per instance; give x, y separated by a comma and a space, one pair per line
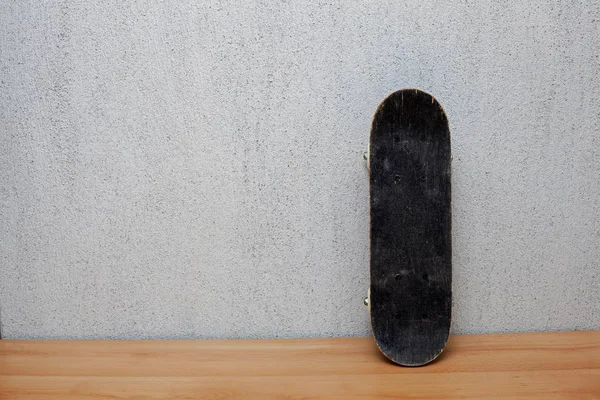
192, 169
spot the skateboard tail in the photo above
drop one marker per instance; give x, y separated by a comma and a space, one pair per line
409, 360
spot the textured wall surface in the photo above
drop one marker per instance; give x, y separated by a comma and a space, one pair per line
193, 169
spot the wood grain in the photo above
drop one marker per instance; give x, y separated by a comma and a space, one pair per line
530, 366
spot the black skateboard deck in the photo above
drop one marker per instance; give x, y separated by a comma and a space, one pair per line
410, 296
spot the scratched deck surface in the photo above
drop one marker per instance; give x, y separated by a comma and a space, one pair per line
411, 250
525, 366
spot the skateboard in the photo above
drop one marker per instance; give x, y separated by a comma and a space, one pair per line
410, 295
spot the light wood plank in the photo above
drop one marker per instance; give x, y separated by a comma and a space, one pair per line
532, 365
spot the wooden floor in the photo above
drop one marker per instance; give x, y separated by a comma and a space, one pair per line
525, 366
